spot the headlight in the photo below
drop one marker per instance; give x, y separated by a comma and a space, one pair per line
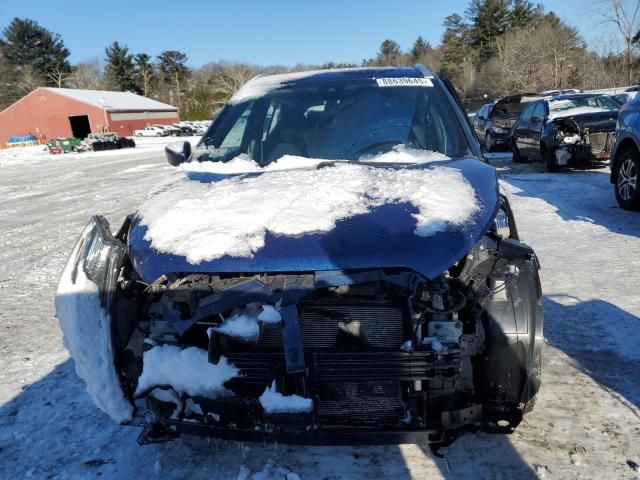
501, 224
499, 130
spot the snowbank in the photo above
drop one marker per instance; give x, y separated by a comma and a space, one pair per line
275, 402
185, 370
86, 330
244, 322
40, 153
204, 221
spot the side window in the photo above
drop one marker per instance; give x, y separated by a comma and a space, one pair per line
538, 111
525, 116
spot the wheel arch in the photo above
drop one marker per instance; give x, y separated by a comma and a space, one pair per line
624, 144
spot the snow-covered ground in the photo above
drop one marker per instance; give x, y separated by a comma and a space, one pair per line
586, 423
40, 153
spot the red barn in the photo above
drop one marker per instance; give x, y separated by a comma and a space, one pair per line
67, 112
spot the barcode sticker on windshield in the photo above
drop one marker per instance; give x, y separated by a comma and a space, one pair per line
404, 82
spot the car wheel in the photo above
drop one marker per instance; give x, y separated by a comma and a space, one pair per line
549, 159
515, 151
626, 186
489, 142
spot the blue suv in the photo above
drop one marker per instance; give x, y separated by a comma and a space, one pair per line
625, 164
332, 263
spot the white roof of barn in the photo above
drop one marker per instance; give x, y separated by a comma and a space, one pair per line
113, 101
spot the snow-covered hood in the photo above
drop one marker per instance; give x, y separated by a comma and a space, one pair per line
331, 216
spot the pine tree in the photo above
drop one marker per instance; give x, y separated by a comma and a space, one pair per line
454, 46
389, 53
144, 69
488, 20
173, 73
523, 13
420, 49
119, 68
33, 56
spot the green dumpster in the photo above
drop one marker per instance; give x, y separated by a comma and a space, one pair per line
64, 145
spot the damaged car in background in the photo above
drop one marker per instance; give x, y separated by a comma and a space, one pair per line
494, 128
333, 263
567, 130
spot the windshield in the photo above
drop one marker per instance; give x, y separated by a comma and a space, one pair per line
581, 104
341, 120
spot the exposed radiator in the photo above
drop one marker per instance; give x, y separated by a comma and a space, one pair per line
361, 403
323, 324
601, 141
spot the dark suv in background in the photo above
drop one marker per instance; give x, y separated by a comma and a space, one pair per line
566, 130
481, 119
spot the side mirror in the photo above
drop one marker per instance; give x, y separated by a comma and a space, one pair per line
481, 117
177, 152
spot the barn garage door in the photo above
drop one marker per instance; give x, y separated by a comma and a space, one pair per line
80, 127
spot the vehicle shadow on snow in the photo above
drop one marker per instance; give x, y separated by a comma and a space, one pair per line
595, 333
52, 429
597, 203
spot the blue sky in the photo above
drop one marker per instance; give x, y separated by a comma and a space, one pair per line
283, 32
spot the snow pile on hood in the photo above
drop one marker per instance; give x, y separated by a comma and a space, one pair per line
205, 221
244, 164
86, 330
185, 370
275, 402
403, 154
244, 322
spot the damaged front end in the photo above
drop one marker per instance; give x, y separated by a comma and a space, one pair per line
329, 357
578, 141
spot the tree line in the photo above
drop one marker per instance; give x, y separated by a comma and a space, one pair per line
497, 47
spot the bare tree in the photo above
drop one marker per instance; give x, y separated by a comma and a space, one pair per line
87, 75
28, 79
227, 79
624, 15
59, 75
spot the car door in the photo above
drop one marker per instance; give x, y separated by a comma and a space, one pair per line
521, 130
536, 123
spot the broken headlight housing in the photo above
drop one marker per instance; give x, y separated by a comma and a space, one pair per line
501, 224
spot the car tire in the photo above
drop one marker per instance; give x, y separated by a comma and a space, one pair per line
515, 152
489, 142
550, 164
626, 186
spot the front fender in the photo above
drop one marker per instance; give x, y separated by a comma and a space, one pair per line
86, 291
